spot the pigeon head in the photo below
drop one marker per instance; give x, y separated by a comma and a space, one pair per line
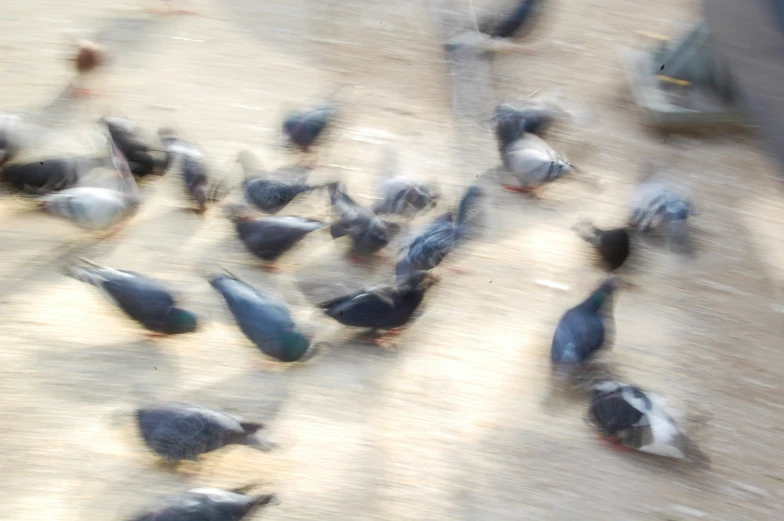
604, 292
179, 321
199, 192
293, 346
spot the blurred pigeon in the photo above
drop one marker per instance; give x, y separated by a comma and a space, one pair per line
270, 237
535, 118
49, 175
511, 22
613, 245
429, 248
266, 322
629, 417
89, 56
184, 431
98, 208
527, 156
144, 157
655, 207
207, 504
304, 128
401, 195
382, 307
582, 330
142, 298
369, 233
195, 171
267, 193
9, 139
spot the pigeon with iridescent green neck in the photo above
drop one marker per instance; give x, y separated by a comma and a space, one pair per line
265, 321
142, 298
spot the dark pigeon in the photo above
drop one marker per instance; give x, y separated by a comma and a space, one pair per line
49, 175
267, 193
583, 329
369, 233
268, 238
629, 417
144, 156
429, 248
184, 432
207, 504
266, 322
510, 24
304, 127
143, 299
613, 246
384, 307
195, 171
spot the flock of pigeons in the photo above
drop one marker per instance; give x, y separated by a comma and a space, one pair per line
627, 416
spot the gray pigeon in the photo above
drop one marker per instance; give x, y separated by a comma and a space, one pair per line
532, 161
266, 322
656, 207
629, 417
268, 238
582, 330
429, 248
97, 208
399, 194
266, 192
183, 431
369, 233
207, 504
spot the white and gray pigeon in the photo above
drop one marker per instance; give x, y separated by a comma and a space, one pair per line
657, 207
629, 417
97, 207
527, 156
401, 195
184, 431
207, 504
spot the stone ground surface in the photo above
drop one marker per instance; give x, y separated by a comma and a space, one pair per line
456, 421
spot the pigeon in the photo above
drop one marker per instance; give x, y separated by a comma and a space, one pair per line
89, 57
527, 156
268, 194
195, 171
369, 233
387, 307
511, 23
207, 504
655, 207
142, 298
429, 248
401, 195
537, 117
143, 156
183, 431
266, 322
268, 238
629, 417
9, 138
304, 128
98, 208
613, 245
49, 175
582, 330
